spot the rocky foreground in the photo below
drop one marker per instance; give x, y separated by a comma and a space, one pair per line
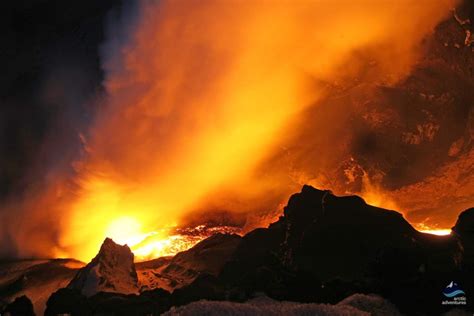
323, 249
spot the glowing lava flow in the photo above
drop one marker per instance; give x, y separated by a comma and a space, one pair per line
438, 232
432, 230
160, 243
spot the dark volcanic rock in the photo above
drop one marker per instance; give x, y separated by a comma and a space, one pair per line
35, 278
464, 231
323, 249
206, 257
209, 255
326, 247
205, 286
21, 306
112, 270
70, 301
148, 303
67, 301
465, 224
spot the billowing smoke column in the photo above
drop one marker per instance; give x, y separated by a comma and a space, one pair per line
229, 106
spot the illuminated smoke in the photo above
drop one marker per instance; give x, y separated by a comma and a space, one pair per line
201, 97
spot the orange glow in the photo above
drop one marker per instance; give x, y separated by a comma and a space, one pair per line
166, 242
374, 195
201, 94
422, 227
159, 245
125, 230
439, 232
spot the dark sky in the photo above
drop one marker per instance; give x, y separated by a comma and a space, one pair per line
50, 66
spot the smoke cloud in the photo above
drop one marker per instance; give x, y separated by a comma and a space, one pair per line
229, 106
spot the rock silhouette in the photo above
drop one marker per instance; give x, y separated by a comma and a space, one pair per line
326, 248
21, 306
323, 249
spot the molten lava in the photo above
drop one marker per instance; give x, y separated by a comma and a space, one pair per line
439, 232
166, 242
422, 227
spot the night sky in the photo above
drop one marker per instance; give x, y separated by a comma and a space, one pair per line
50, 70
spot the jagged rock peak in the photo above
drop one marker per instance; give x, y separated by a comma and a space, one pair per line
110, 247
310, 203
112, 270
